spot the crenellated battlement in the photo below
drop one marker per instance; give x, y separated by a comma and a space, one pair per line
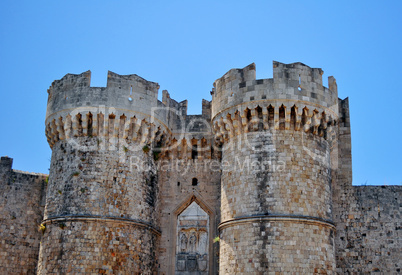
291, 82
294, 99
73, 105
296, 74
126, 111
70, 81
128, 108
125, 92
6, 164
132, 83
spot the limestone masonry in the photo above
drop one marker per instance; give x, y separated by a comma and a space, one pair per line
259, 183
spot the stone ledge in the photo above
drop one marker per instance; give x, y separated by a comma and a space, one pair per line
70, 218
277, 218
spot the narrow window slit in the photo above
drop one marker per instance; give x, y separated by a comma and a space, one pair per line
131, 93
299, 87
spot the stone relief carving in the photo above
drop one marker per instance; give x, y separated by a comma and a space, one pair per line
183, 242
192, 240
192, 243
181, 263
202, 262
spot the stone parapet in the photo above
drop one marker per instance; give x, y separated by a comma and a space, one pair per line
296, 82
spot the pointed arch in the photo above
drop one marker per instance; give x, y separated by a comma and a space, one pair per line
188, 200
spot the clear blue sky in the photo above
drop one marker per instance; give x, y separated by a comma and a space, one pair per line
186, 45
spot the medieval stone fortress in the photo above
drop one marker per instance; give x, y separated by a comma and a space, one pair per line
259, 183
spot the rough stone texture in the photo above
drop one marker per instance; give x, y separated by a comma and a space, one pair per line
259, 183
367, 218
96, 247
280, 179
369, 229
289, 185
277, 247
100, 183
93, 186
21, 212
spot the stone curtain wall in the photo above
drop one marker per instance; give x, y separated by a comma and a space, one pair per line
367, 218
21, 212
369, 230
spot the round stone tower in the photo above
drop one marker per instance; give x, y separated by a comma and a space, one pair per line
277, 154
102, 193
